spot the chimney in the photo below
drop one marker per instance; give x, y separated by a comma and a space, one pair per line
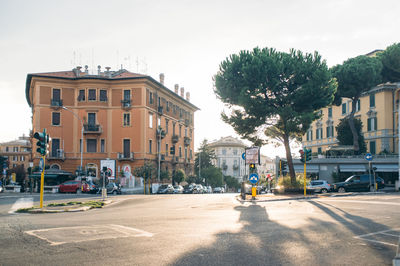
86, 69
183, 92
99, 70
108, 72
188, 96
176, 88
162, 78
77, 70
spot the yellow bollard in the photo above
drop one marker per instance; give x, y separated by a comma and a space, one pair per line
253, 192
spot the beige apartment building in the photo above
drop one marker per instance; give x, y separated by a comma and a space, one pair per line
17, 151
124, 117
378, 111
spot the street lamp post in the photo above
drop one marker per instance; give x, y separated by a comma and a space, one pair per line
81, 144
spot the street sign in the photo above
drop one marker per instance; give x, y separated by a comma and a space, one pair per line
252, 155
253, 178
41, 164
244, 156
368, 157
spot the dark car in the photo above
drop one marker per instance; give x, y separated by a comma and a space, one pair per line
165, 189
188, 189
74, 186
359, 183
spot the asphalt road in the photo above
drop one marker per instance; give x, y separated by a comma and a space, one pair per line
207, 230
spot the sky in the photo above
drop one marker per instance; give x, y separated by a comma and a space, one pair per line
185, 40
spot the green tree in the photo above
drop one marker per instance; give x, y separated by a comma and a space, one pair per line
212, 176
205, 155
265, 88
390, 59
164, 175
345, 136
232, 182
356, 76
179, 176
146, 171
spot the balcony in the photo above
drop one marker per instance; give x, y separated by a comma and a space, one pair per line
125, 156
57, 155
92, 129
175, 139
162, 157
160, 110
175, 159
187, 122
126, 104
186, 141
56, 103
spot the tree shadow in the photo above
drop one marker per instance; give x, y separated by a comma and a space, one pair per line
263, 241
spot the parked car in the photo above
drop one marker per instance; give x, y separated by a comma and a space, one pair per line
75, 186
209, 189
358, 183
219, 190
188, 189
178, 189
198, 189
92, 187
113, 188
319, 186
165, 189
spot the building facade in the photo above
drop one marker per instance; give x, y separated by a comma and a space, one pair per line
228, 151
378, 110
17, 151
120, 116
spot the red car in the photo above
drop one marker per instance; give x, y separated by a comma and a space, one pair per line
75, 186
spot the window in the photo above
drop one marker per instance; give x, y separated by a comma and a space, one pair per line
329, 131
15, 149
223, 152
102, 145
330, 112
127, 148
15, 158
309, 135
81, 96
159, 121
173, 128
56, 94
180, 130
91, 145
372, 100
127, 119
22, 158
372, 124
92, 119
166, 126
103, 95
166, 149
80, 145
150, 146
127, 94
55, 147
235, 151
92, 95
186, 153
150, 120
180, 151
319, 150
319, 133
185, 131
167, 106
344, 108
150, 98
372, 147
6, 148
358, 105
55, 118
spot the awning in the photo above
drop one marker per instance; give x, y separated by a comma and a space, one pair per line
386, 167
352, 168
312, 168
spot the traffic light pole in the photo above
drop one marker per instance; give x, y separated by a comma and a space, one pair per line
305, 172
42, 182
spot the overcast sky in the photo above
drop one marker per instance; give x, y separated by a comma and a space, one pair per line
185, 40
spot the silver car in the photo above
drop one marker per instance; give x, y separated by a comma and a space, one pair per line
320, 186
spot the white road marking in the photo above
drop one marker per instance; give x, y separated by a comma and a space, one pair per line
21, 203
360, 201
384, 232
75, 234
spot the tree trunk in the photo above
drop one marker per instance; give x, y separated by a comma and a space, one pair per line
356, 147
289, 159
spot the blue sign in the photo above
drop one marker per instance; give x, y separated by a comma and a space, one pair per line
368, 157
244, 156
253, 178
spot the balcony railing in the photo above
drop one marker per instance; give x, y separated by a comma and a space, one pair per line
125, 156
175, 139
56, 103
92, 128
186, 141
126, 103
160, 110
57, 155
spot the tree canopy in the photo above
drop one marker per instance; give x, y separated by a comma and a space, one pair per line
144, 171
390, 59
356, 76
266, 88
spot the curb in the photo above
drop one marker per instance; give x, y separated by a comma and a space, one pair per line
66, 209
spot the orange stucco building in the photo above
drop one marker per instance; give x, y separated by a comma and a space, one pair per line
121, 113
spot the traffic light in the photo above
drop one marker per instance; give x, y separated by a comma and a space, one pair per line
172, 150
284, 165
252, 166
43, 142
308, 154
302, 156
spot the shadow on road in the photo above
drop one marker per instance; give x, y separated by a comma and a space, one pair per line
314, 241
